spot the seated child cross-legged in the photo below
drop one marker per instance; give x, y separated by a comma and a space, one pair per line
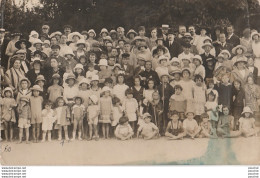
190, 125
247, 123
206, 128
123, 130
226, 124
148, 129
174, 128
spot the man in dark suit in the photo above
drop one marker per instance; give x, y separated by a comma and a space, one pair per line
222, 44
207, 47
3, 45
232, 38
128, 69
174, 47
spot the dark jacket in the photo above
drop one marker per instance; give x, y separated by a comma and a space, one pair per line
175, 49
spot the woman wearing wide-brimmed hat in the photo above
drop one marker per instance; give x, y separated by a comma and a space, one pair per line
11, 49
36, 69
24, 45
240, 71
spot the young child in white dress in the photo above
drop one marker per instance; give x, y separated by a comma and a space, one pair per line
48, 118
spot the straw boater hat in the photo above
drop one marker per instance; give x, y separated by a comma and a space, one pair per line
198, 57
207, 44
247, 109
92, 31
226, 51
40, 78
102, 62
71, 35
234, 50
131, 31
94, 99
145, 115
81, 41
95, 78
37, 41
27, 43
84, 80
70, 76
105, 88
8, 89
36, 87
104, 30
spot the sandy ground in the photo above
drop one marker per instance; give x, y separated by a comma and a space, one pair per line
136, 151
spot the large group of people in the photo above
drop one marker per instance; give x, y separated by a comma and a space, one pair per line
69, 85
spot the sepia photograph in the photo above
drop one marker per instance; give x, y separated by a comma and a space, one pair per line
130, 82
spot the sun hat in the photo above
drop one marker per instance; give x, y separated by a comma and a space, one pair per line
79, 97
186, 69
145, 115
36, 41
117, 65
102, 62
172, 72
40, 78
226, 51
105, 88
162, 58
81, 41
247, 110
69, 52
131, 31
27, 43
220, 56
112, 32
198, 57
79, 65
36, 87
25, 79
70, 76
21, 51
234, 50
93, 98
23, 98
207, 44
95, 78
84, 80
187, 57
254, 33
8, 89
55, 33
47, 42
241, 59
71, 35
187, 35
174, 59
92, 31
206, 39
103, 30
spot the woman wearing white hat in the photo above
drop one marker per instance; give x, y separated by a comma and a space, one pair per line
74, 37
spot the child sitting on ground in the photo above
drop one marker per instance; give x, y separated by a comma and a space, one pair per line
247, 123
206, 128
148, 129
124, 131
190, 125
174, 128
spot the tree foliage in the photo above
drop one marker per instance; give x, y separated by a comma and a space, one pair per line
86, 14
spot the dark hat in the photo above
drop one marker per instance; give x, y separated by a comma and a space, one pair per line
37, 52
125, 55
186, 45
55, 47
44, 35
27, 43
67, 26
